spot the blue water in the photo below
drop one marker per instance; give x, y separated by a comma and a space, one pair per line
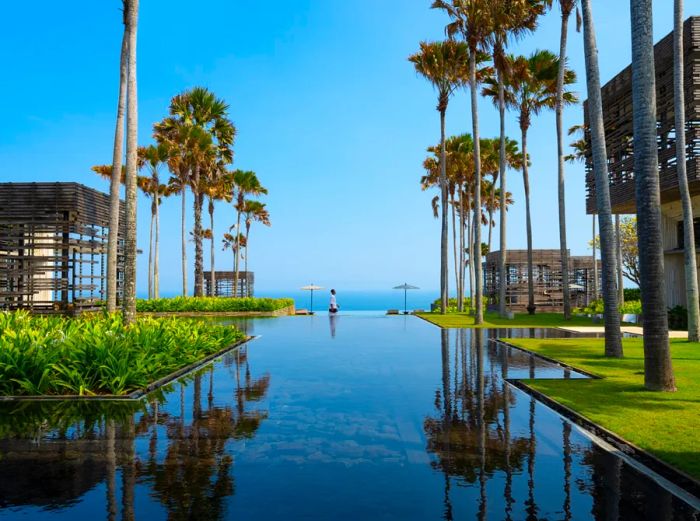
350, 417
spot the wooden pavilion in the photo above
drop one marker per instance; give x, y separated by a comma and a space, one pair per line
53, 247
225, 285
549, 293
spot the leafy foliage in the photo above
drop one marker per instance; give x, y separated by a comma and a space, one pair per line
99, 354
631, 307
212, 304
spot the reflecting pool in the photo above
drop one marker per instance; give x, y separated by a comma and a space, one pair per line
344, 417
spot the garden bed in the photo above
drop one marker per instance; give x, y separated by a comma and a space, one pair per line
97, 356
216, 306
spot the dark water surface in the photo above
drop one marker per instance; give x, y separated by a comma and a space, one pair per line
350, 417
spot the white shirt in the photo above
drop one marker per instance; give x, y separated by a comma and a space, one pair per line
334, 303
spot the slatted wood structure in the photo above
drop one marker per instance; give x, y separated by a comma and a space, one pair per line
225, 286
53, 247
617, 116
549, 294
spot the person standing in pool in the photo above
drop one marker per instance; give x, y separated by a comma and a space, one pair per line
333, 307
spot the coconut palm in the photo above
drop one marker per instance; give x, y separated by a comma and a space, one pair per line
253, 211
217, 187
529, 89
115, 183
244, 183
510, 19
691, 265
472, 20
658, 371
444, 65
613, 337
129, 303
566, 7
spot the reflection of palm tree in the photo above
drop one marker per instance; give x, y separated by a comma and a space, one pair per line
111, 472
566, 436
530, 505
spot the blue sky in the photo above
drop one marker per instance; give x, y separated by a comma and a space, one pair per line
329, 112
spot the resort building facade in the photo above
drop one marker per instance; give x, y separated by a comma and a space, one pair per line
617, 114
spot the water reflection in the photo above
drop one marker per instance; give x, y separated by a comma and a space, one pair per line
332, 322
390, 419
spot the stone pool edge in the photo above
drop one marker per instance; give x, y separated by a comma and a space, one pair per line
133, 396
675, 476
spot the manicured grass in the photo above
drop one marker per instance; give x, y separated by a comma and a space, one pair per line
493, 320
98, 354
665, 424
212, 304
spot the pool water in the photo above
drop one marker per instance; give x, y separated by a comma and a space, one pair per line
345, 417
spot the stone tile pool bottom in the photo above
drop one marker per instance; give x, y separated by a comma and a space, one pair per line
349, 417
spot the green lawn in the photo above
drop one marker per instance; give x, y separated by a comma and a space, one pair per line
665, 424
493, 320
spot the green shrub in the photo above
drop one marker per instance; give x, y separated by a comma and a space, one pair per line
212, 304
452, 305
99, 354
678, 318
633, 294
632, 307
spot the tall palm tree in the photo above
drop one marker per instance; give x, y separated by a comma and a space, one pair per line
217, 187
658, 371
472, 20
531, 88
245, 183
566, 6
510, 19
691, 264
115, 182
129, 304
443, 64
254, 211
613, 337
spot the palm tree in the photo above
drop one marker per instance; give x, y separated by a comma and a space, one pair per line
443, 64
531, 88
691, 265
154, 156
512, 18
658, 371
254, 211
115, 183
217, 187
472, 20
244, 183
613, 337
567, 7
129, 304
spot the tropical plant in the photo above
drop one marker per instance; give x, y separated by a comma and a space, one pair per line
217, 187
658, 370
212, 304
472, 20
129, 291
253, 211
630, 250
613, 336
443, 64
691, 264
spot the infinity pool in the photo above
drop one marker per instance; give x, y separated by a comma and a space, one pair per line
347, 417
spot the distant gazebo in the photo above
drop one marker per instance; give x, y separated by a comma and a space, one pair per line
53, 247
225, 285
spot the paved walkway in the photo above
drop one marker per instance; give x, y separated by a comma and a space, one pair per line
632, 330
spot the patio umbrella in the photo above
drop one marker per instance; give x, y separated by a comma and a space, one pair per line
311, 288
405, 287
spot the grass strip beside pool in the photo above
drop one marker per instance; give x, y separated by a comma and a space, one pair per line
664, 424
494, 320
98, 354
212, 304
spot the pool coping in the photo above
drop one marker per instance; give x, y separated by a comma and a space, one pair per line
675, 476
138, 394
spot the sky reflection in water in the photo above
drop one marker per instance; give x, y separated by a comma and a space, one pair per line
347, 417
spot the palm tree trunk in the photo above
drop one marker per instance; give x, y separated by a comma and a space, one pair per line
212, 275
198, 250
247, 234
443, 210
183, 230
479, 316
150, 249
528, 225
454, 242
156, 255
129, 305
470, 233
460, 270
236, 282
613, 337
618, 255
595, 264
560, 162
691, 265
658, 370
491, 223
116, 179
502, 275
